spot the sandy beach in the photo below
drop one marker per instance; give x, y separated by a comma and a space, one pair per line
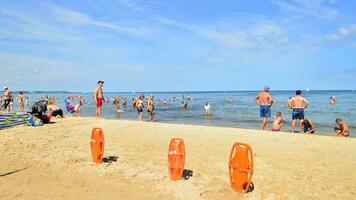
54, 162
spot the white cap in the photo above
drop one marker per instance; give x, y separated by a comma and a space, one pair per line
5, 87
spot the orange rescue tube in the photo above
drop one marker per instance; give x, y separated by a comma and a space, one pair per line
241, 167
97, 145
176, 158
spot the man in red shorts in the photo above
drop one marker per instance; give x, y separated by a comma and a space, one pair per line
99, 98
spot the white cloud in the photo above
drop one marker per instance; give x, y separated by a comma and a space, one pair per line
342, 33
315, 8
78, 18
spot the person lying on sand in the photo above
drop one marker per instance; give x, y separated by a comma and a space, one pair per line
343, 129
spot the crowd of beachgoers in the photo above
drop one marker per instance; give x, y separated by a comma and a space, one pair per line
142, 103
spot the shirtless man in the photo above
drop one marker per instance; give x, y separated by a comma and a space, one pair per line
20, 99
7, 99
55, 110
99, 98
343, 129
265, 101
298, 103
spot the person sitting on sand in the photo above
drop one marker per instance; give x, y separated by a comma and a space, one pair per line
55, 111
308, 126
278, 122
207, 108
343, 129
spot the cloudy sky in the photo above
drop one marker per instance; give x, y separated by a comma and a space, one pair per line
156, 45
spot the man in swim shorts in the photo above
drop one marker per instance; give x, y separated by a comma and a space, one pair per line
140, 106
99, 98
265, 101
298, 103
7, 99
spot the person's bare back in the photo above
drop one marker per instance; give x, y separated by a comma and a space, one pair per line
264, 99
53, 107
298, 102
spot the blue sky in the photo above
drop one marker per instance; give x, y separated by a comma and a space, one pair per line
154, 45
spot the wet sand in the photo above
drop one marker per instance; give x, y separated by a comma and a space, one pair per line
55, 162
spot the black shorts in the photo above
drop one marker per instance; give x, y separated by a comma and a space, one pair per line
57, 112
6, 103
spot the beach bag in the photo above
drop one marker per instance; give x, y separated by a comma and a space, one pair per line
35, 121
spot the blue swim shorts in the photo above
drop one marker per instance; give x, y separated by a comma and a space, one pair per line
265, 111
298, 114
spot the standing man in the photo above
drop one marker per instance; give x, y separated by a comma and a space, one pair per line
99, 98
298, 103
265, 101
7, 99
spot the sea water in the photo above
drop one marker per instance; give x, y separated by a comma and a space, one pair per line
242, 112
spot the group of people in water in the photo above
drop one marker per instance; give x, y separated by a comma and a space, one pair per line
264, 100
298, 104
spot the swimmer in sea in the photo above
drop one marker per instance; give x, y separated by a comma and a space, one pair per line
332, 100
207, 108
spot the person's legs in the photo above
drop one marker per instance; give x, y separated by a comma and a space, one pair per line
301, 125
293, 124
264, 123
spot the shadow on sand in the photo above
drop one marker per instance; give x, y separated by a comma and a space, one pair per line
12, 172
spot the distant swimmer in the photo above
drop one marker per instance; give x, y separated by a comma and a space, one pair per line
99, 98
343, 129
308, 126
265, 101
332, 100
278, 122
207, 108
184, 105
298, 103
124, 103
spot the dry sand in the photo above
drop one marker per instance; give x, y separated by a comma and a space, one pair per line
55, 163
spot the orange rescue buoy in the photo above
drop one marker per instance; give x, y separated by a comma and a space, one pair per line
176, 158
97, 145
241, 167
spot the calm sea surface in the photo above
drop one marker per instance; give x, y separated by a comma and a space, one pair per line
242, 112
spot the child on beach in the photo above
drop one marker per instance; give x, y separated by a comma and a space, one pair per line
78, 106
343, 129
278, 122
308, 126
20, 99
